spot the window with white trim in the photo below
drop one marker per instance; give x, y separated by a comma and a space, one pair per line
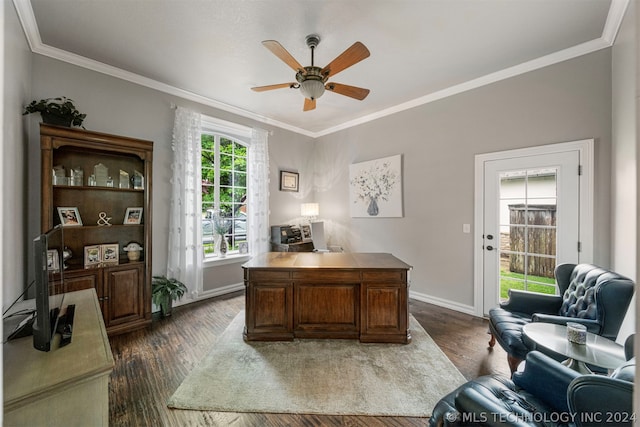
224, 192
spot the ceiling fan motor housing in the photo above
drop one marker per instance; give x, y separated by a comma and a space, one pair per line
311, 82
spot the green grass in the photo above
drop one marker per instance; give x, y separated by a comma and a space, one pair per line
509, 280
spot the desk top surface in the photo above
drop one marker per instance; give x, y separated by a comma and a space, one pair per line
597, 351
352, 260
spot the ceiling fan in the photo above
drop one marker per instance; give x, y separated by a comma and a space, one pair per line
312, 80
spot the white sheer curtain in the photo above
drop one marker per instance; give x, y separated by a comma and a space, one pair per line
258, 192
185, 240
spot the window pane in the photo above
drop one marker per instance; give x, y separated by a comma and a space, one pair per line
208, 192
226, 162
541, 241
225, 178
226, 146
512, 185
208, 159
208, 142
540, 269
239, 194
240, 164
516, 238
541, 184
240, 150
240, 179
226, 210
208, 175
226, 194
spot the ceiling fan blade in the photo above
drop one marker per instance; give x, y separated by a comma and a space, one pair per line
346, 90
309, 104
271, 87
356, 53
282, 53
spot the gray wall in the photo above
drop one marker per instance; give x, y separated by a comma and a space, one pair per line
624, 157
17, 88
624, 149
563, 102
119, 107
438, 141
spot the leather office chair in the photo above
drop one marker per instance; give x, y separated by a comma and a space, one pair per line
545, 393
588, 294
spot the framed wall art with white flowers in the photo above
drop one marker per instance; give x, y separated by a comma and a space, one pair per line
375, 188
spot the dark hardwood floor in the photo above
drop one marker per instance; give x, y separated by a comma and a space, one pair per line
151, 364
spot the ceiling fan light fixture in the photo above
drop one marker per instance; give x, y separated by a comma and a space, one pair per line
312, 89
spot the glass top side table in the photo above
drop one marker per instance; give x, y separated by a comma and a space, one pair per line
598, 351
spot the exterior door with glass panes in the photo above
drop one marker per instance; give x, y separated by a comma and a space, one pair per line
531, 222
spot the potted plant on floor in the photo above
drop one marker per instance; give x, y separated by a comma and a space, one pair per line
56, 111
164, 291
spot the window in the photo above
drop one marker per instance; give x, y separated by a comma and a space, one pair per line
224, 191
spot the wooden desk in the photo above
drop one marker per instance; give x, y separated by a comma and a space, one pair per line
66, 386
327, 295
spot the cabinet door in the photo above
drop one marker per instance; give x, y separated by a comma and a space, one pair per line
269, 311
78, 281
124, 294
384, 308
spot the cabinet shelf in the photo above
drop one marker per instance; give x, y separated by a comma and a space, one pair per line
96, 188
69, 228
123, 288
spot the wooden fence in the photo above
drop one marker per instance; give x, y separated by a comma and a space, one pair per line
539, 240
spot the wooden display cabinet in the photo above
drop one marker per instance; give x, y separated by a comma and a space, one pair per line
123, 288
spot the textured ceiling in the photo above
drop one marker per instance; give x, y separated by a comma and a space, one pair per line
421, 50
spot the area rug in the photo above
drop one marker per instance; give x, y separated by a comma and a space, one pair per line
331, 377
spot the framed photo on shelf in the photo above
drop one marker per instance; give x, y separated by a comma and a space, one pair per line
306, 233
289, 181
53, 261
69, 216
133, 216
92, 256
110, 253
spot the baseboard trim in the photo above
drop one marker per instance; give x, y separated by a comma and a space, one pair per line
224, 290
452, 305
441, 302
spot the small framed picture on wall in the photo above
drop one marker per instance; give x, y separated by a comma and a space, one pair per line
289, 181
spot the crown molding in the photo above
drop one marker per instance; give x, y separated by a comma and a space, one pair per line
615, 16
525, 67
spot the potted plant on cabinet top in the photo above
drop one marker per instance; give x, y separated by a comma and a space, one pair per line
56, 111
164, 291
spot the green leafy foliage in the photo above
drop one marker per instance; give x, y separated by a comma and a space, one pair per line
163, 287
61, 107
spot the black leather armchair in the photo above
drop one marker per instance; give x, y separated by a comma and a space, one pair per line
546, 393
588, 294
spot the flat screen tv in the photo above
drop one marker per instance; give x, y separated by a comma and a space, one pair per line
39, 315
49, 297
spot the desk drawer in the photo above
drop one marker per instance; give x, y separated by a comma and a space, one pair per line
267, 275
395, 276
326, 276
